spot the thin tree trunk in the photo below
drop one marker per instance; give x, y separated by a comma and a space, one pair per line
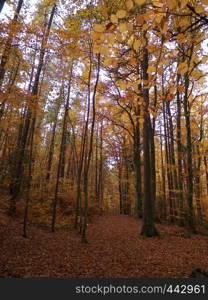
164, 204
96, 168
82, 154
52, 143
137, 169
197, 185
170, 186
206, 171
172, 161
100, 173
54, 204
190, 210
179, 157
148, 227
88, 160
120, 185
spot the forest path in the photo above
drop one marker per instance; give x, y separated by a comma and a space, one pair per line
115, 249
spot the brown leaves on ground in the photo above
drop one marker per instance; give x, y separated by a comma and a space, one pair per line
115, 250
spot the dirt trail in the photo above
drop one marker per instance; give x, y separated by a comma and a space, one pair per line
115, 249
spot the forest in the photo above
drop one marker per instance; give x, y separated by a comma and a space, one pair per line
104, 138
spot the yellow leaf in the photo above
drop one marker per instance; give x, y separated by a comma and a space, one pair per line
145, 27
172, 90
196, 74
114, 19
160, 71
122, 84
132, 61
110, 62
136, 45
181, 88
184, 21
99, 28
164, 62
204, 2
122, 27
204, 59
183, 3
129, 26
140, 19
182, 68
121, 14
140, 2
104, 11
111, 38
95, 35
129, 4
107, 62
170, 97
119, 37
104, 50
96, 49
171, 3
159, 17
200, 9
85, 74
180, 37
151, 69
130, 40
143, 41
157, 3
164, 27
141, 121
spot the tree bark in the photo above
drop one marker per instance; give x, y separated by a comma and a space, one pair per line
52, 142
137, 168
148, 227
62, 149
179, 156
88, 158
190, 210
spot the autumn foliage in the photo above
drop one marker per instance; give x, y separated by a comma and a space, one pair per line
103, 110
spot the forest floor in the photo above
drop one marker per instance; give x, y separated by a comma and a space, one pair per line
115, 250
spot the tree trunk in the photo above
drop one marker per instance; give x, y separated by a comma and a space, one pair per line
137, 169
190, 210
88, 158
100, 173
62, 149
52, 143
169, 177
206, 171
172, 161
163, 204
148, 227
179, 157
197, 168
